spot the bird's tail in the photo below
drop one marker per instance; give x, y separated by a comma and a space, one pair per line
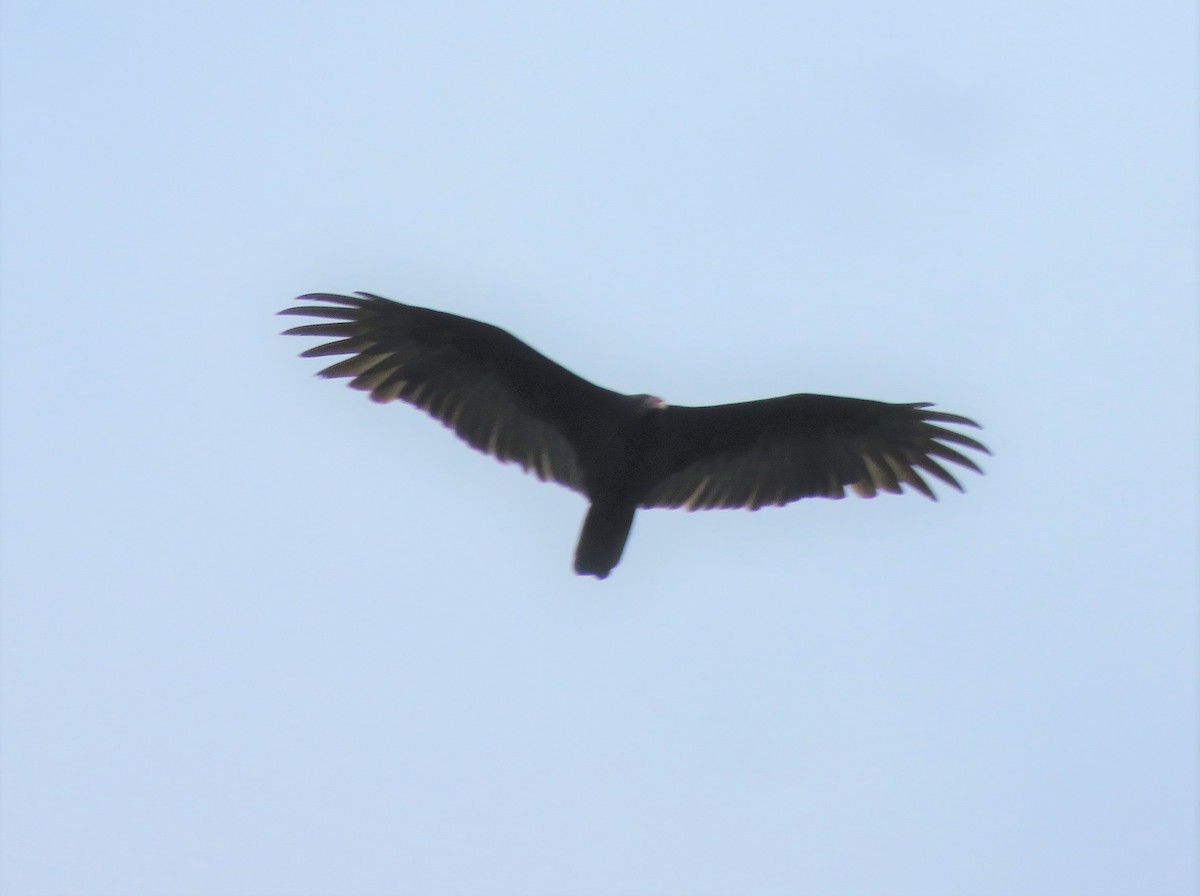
605, 529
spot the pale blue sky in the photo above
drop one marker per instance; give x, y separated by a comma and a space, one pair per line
263, 638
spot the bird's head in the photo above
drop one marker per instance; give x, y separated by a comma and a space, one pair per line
649, 402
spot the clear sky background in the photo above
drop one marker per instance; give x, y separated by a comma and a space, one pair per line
262, 637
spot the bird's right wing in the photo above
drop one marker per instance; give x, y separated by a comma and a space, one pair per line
779, 450
498, 394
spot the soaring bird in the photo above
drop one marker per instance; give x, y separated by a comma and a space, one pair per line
625, 452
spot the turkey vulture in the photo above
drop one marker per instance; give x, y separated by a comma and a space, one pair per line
625, 452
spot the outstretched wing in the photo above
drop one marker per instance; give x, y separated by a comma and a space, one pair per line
498, 394
776, 451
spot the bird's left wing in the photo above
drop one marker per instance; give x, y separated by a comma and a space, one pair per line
778, 450
498, 394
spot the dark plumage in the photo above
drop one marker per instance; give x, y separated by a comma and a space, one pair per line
625, 452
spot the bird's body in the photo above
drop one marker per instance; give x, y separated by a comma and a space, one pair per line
625, 452
623, 485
